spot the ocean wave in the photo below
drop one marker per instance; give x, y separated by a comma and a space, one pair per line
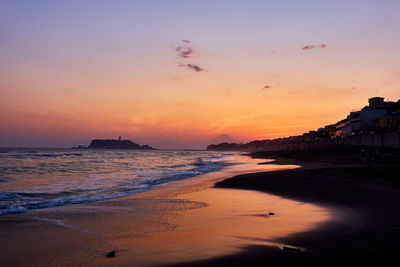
63, 177
181, 174
29, 154
172, 166
48, 155
16, 202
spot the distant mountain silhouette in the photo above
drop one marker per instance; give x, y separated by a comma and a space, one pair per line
223, 138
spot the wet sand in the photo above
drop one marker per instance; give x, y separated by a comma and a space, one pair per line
229, 220
176, 223
364, 232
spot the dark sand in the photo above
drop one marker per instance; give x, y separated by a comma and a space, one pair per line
366, 231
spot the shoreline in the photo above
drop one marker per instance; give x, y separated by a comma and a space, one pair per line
365, 231
140, 227
136, 226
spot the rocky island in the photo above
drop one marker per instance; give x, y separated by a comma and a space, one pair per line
116, 144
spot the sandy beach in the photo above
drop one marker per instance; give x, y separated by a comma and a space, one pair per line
268, 214
173, 223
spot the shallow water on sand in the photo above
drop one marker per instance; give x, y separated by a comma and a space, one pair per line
181, 221
230, 220
214, 221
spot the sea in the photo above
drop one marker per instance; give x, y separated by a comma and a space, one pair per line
32, 178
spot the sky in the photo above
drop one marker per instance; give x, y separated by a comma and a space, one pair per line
179, 73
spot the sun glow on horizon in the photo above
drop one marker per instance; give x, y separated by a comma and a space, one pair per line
76, 71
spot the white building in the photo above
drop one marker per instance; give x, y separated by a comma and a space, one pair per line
363, 120
354, 124
377, 107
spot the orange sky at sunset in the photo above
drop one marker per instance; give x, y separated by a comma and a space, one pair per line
106, 72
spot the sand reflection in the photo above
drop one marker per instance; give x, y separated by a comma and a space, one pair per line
182, 221
231, 219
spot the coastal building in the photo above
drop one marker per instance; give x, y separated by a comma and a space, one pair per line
376, 108
376, 102
323, 134
375, 125
339, 127
354, 124
330, 129
388, 123
362, 121
310, 136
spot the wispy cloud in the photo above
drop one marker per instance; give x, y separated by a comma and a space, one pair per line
266, 87
184, 52
310, 47
194, 67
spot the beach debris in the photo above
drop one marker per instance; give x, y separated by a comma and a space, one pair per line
111, 254
290, 248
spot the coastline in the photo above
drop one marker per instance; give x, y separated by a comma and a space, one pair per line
365, 231
139, 228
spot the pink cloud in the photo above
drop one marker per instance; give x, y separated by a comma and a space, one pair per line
309, 47
194, 67
184, 52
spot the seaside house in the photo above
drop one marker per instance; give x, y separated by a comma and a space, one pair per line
389, 122
339, 127
354, 124
376, 108
362, 121
330, 130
